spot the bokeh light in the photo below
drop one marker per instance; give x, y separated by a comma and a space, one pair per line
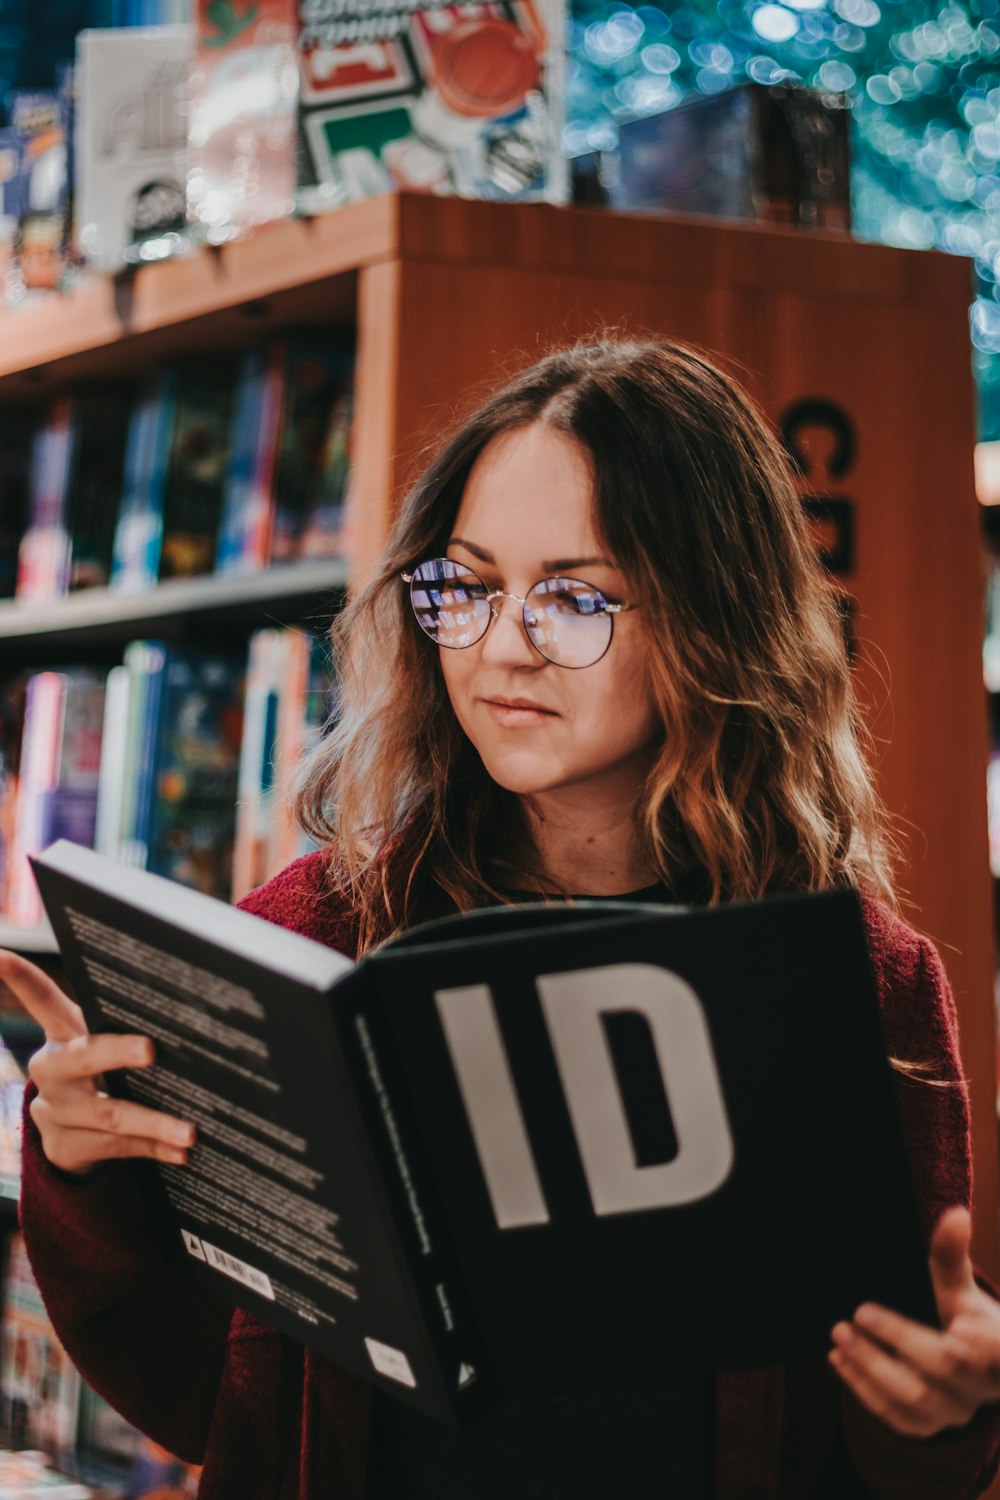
923, 81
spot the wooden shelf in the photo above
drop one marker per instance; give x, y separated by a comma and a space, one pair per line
100, 615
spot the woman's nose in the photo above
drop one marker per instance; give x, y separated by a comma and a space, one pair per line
506, 639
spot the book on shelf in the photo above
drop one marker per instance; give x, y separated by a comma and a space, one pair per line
40, 122
101, 416
290, 696
39, 1386
69, 1444
244, 88
197, 466
167, 790
311, 467
16, 445
138, 540
58, 776
435, 98
427, 1163
130, 139
286, 490
44, 554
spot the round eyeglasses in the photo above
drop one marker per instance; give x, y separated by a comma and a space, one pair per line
569, 622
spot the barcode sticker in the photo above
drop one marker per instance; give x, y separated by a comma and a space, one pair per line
229, 1265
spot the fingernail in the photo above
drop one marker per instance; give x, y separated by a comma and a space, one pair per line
142, 1053
182, 1135
866, 1317
843, 1333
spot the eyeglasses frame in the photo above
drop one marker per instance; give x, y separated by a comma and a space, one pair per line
492, 594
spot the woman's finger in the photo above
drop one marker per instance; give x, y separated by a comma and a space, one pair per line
945, 1361
79, 1150
59, 1017
909, 1401
109, 1116
87, 1057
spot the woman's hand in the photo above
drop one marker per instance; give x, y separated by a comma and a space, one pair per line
79, 1122
918, 1380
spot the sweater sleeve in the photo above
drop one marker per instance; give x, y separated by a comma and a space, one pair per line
921, 1027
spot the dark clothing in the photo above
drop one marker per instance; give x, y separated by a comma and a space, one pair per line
633, 1443
274, 1421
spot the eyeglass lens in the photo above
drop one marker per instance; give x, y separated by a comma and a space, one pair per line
565, 619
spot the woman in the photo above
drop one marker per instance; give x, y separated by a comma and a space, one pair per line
598, 659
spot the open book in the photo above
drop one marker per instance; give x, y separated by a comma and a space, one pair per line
546, 1147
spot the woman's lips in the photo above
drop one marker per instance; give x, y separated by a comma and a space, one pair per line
517, 714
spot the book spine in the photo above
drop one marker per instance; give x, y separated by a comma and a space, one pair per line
111, 779
231, 552
432, 1274
135, 556
259, 536
256, 768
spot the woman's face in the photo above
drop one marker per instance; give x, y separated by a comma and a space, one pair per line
526, 514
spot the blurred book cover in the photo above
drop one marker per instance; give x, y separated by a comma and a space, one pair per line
462, 99
780, 154
40, 120
244, 88
131, 141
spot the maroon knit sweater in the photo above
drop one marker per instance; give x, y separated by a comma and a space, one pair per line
273, 1421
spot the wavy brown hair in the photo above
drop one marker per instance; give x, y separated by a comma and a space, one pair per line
761, 785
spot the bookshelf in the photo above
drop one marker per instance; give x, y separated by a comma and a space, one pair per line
445, 298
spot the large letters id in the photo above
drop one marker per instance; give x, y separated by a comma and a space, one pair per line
573, 1004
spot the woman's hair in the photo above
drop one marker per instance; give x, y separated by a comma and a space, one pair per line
760, 783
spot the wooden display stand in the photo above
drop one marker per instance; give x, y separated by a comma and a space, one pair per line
863, 350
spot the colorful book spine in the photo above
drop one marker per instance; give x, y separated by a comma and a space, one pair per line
231, 555
135, 564
95, 483
59, 774
317, 379
44, 555
192, 816
197, 466
111, 782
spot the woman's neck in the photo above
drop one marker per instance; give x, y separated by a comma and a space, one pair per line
588, 845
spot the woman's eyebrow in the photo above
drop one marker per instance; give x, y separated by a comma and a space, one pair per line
549, 565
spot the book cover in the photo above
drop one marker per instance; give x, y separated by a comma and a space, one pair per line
462, 99
40, 121
135, 559
44, 555
427, 1163
243, 94
13, 692
131, 140
96, 478
197, 466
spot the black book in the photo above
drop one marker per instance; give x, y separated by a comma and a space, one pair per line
536, 1148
